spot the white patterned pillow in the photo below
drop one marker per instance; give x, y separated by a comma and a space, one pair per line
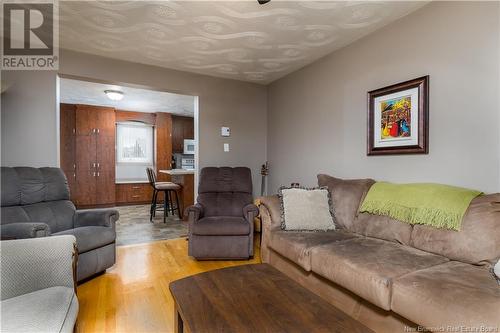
304, 209
496, 271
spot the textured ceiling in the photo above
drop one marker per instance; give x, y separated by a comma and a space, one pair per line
240, 39
141, 100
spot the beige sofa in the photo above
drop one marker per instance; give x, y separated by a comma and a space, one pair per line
390, 275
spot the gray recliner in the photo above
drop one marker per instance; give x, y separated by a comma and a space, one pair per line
36, 203
221, 222
38, 287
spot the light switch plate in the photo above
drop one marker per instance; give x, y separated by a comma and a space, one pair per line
226, 147
225, 131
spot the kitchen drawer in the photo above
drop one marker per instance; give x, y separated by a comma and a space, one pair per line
132, 193
121, 193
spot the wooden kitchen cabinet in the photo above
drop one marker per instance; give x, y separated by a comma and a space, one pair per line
105, 186
86, 187
67, 132
86, 150
88, 153
68, 144
163, 144
182, 128
95, 155
186, 193
136, 193
88, 139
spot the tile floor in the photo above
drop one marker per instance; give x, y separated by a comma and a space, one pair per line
134, 226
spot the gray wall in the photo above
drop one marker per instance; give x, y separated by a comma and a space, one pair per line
30, 121
222, 102
317, 116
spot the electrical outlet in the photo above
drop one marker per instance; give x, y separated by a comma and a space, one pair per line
226, 147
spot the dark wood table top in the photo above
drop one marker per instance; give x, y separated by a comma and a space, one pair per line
255, 298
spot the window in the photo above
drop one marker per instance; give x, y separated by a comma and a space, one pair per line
135, 143
134, 151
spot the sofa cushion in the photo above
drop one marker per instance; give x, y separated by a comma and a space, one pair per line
478, 241
383, 227
90, 238
225, 191
58, 215
367, 266
11, 187
15, 214
297, 246
453, 293
346, 196
224, 203
220, 226
45, 310
225, 179
26, 185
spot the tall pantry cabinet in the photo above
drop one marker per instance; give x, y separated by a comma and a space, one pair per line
88, 153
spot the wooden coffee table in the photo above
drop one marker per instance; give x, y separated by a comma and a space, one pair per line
253, 298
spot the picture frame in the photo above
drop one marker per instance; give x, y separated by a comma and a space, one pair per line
398, 118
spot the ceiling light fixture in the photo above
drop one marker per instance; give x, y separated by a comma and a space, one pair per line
114, 95
263, 2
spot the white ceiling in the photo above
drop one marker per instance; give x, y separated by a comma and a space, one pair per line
140, 100
239, 39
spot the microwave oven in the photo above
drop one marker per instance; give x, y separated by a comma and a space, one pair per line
189, 146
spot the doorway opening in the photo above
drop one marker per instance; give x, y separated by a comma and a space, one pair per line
110, 134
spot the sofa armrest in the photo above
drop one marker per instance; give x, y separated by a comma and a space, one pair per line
250, 212
96, 217
33, 264
23, 230
195, 212
270, 217
270, 212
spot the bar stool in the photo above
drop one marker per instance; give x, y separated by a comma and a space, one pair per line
168, 188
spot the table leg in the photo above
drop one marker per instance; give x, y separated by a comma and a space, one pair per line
179, 324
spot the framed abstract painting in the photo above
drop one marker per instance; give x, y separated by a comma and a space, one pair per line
398, 118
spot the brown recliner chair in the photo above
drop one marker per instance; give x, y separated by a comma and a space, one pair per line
221, 222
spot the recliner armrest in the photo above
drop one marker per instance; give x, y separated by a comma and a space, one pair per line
250, 212
29, 265
96, 217
23, 230
195, 212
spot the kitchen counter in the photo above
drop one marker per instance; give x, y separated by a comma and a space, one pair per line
132, 181
185, 178
174, 172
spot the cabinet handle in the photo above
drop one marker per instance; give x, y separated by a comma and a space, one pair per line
93, 173
93, 130
74, 166
98, 174
97, 131
135, 187
93, 165
74, 175
98, 165
136, 196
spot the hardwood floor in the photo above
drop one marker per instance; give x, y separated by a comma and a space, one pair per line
133, 295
